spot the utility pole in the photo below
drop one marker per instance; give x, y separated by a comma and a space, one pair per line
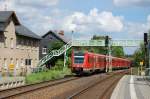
65, 57
110, 57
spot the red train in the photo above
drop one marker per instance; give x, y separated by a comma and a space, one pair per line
84, 62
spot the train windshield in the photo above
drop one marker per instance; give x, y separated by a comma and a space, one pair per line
78, 59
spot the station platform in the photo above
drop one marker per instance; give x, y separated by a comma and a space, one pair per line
132, 87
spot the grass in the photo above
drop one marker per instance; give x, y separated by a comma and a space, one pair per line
47, 75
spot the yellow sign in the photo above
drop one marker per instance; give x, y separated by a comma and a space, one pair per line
141, 63
11, 66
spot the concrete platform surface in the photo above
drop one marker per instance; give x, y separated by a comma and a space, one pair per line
132, 87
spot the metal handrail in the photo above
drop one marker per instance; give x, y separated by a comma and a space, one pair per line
54, 53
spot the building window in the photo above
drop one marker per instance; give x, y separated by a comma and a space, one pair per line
22, 64
5, 63
17, 63
5, 42
44, 50
27, 61
11, 43
11, 61
0, 64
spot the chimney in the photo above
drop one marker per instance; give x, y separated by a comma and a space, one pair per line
61, 33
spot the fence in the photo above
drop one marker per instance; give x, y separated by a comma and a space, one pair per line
39, 69
10, 82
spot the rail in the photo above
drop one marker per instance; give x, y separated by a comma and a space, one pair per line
82, 91
8, 93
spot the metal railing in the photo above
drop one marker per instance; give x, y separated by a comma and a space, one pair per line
54, 53
38, 69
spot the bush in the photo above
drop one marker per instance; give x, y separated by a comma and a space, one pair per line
59, 65
47, 75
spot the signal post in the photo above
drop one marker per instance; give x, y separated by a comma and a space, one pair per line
108, 59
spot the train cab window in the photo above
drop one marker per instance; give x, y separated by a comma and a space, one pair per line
78, 59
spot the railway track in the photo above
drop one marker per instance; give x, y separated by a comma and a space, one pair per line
104, 93
61, 88
8, 93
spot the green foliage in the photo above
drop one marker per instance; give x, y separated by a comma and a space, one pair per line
59, 65
68, 62
55, 45
49, 75
95, 37
139, 55
117, 51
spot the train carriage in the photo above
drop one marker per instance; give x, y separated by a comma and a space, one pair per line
83, 62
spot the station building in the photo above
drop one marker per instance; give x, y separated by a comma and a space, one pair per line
19, 46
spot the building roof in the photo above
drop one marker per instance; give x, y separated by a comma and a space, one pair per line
22, 30
61, 37
6, 16
2, 26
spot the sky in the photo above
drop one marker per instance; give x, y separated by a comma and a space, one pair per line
120, 19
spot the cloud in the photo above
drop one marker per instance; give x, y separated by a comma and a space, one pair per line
135, 29
37, 3
142, 3
93, 21
35, 14
37, 17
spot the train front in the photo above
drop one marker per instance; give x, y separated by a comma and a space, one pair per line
78, 62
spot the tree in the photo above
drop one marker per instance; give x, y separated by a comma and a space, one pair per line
117, 51
55, 45
139, 56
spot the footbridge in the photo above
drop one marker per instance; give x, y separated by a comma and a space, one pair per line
64, 48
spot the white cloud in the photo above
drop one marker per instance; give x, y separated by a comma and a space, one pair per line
35, 14
21, 4
38, 2
41, 20
93, 21
132, 2
137, 29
